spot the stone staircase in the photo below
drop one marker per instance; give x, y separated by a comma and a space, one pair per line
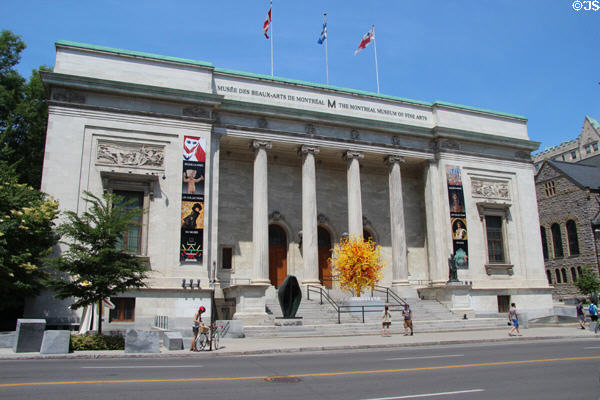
321, 320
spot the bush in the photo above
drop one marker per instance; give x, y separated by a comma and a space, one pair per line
97, 342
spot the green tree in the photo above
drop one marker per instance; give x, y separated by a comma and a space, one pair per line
588, 282
26, 237
23, 113
93, 267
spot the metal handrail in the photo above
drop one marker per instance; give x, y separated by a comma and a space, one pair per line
344, 309
389, 294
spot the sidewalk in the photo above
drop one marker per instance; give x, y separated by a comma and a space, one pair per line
250, 346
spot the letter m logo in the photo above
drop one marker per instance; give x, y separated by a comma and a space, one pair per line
330, 104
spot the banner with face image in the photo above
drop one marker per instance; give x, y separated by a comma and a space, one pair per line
192, 199
458, 217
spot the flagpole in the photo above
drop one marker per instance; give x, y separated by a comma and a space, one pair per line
271, 37
374, 48
326, 51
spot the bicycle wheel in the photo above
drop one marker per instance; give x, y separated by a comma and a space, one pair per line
201, 341
597, 328
216, 337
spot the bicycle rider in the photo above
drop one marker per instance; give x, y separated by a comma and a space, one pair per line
196, 327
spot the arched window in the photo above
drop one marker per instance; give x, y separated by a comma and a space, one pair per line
544, 242
549, 276
564, 275
579, 272
557, 241
572, 237
573, 274
557, 274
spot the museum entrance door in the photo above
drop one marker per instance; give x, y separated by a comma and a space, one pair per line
277, 255
324, 239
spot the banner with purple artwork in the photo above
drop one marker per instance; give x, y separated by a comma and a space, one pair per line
192, 199
458, 218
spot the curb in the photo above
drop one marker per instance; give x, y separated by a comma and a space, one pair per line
307, 349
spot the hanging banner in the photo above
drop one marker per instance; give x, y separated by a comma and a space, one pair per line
458, 220
192, 199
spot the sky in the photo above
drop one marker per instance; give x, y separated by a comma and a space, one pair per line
536, 58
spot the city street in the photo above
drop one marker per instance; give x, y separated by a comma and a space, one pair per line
558, 369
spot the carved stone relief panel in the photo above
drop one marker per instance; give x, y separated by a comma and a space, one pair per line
130, 154
490, 189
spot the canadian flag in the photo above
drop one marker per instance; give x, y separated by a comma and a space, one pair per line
366, 39
267, 23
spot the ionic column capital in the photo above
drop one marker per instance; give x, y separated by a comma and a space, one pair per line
394, 159
305, 149
351, 155
258, 144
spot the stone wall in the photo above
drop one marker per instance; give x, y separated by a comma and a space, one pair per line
569, 202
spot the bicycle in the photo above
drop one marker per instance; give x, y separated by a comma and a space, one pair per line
204, 337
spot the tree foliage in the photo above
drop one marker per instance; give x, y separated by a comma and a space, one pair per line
93, 267
357, 264
588, 282
26, 237
23, 113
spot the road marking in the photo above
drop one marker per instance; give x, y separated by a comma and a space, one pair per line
417, 358
414, 396
246, 378
144, 366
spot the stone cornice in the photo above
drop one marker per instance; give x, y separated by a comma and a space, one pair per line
52, 79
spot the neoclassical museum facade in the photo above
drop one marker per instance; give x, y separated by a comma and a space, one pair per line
248, 178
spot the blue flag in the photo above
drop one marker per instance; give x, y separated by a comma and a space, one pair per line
323, 36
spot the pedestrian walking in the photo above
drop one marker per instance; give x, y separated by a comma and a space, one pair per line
513, 318
407, 314
386, 318
593, 311
580, 314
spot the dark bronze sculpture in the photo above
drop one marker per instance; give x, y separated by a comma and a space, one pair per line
453, 269
289, 295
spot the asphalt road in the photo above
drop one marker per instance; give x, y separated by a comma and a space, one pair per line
568, 369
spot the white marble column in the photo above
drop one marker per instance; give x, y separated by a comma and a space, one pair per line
310, 250
260, 214
355, 218
399, 262
438, 266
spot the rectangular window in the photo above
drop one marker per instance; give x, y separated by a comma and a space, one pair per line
124, 310
588, 149
549, 188
493, 226
573, 155
226, 257
131, 241
595, 146
503, 303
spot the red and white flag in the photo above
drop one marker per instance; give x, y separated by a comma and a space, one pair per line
267, 23
366, 39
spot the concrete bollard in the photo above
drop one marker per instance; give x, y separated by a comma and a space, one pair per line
56, 342
29, 335
173, 341
139, 341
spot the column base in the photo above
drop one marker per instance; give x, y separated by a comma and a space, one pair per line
261, 282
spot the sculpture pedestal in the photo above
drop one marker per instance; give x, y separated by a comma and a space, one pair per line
297, 321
